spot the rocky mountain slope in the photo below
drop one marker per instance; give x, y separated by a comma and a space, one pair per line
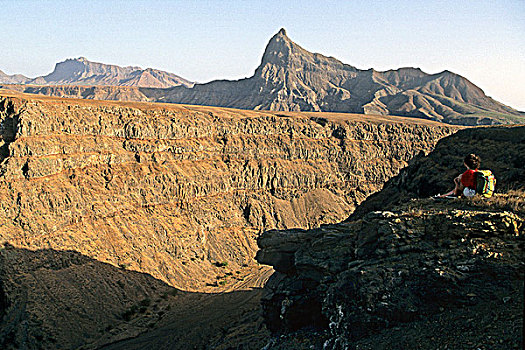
290, 78
407, 272
80, 71
92, 193
113, 93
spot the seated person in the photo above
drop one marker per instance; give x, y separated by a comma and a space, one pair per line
466, 182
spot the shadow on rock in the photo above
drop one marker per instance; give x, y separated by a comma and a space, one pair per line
63, 299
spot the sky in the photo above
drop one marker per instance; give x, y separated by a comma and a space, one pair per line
205, 40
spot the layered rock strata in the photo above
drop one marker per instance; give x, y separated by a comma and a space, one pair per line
161, 197
406, 272
172, 191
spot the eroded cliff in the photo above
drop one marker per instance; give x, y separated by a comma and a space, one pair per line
167, 190
180, 193
407, 272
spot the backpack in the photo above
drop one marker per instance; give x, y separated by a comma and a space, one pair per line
485, 183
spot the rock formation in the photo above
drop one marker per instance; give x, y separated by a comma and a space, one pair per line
403, 272
178, 193
290, 78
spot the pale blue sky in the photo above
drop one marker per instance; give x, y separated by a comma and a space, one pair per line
205, 40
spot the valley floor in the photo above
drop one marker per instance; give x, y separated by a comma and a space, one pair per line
210, 321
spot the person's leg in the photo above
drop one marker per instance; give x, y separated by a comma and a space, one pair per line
457, 188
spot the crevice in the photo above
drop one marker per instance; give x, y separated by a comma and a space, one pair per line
8, 126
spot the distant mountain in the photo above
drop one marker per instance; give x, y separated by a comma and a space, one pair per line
13, 79
80, 71
290, 78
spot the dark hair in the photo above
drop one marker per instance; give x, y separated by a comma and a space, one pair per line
472, 161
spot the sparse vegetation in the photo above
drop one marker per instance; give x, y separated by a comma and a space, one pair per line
145, 302
513, 200
221, 263
129, 313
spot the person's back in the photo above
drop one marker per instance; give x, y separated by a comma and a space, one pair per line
466, 183
469, 177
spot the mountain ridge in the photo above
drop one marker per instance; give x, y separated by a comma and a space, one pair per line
290, 78
13, 79
81, 71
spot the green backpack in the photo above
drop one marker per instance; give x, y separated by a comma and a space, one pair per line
485, 183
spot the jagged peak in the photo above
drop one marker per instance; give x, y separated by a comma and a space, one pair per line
280, 37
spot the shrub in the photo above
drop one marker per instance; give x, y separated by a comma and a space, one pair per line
221, 264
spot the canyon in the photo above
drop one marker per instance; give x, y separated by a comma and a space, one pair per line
122, 220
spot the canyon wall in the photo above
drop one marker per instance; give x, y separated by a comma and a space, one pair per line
178, 191
121, 222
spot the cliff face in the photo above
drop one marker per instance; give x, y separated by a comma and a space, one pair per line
406, 272
172, 190
178, 193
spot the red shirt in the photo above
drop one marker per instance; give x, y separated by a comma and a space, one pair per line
468, 179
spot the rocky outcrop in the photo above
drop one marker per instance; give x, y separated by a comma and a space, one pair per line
423, 272
400, 280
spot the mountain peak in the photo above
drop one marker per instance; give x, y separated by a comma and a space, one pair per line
279, 49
